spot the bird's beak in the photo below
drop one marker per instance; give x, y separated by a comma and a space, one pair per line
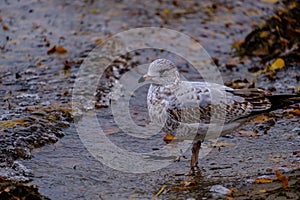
145, 78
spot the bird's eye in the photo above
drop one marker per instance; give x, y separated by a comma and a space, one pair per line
162, 71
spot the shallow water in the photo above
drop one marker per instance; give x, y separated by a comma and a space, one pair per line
67, 170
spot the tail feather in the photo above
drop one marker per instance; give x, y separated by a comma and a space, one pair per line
280, 101
264, 101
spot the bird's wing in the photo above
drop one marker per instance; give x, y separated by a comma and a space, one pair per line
257, 97
194, 103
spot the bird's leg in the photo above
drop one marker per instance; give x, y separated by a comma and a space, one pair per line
195, 156
198, 147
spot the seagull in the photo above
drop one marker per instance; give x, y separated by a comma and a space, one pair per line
185, 109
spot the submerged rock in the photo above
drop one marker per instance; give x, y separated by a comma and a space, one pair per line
219, 190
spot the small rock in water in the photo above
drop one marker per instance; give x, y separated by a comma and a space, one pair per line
24, 95
296, 130
23, 103
89, 105
45, 103
219, 189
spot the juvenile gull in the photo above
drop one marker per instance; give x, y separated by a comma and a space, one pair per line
185, 108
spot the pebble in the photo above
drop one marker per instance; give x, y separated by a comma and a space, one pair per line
219, 189
45, 103
296, 130
25, 95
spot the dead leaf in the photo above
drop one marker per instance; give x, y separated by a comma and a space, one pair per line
57, 49
5, 27
111, 131
159, 192
188, 183
237, 44
263, 180
261, 51
98, 40
178, 189
61, 50
293, 5
223, 144
166, 12
7, 190
277, 64
184, 185
263, 34
95, 11
261, 119
276, 17
263, 191
297, 30
278, 174
51, 50
291, 20
270, 1
296, 152
283, 179
296, 112
278, 31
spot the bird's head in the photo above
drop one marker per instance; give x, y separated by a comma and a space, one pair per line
161, 72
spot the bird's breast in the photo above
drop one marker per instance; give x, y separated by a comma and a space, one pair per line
157, 101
